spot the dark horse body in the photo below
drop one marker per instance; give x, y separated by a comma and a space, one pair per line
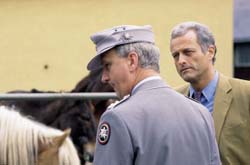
79, 115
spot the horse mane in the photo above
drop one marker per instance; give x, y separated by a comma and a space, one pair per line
20, 137
82, 116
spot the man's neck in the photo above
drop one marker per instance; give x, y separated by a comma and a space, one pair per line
203, 81
141, 74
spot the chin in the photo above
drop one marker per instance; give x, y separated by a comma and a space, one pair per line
188, 78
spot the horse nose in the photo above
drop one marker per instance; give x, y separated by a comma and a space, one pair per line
88, 155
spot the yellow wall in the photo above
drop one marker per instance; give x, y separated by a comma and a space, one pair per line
36, 33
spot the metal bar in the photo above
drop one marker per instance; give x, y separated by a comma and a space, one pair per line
52, 96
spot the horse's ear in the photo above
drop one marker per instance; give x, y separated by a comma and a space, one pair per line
48, 153
56, 142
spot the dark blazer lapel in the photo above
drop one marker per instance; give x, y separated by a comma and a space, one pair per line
222, 102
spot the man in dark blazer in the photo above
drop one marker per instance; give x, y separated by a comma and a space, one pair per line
152, 124
228, 99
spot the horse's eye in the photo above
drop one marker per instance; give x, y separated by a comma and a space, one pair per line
83, 140
85, 117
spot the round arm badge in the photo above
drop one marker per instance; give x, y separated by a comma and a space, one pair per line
104, 133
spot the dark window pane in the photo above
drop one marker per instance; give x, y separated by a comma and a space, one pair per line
242, 73
242, 60
242, 55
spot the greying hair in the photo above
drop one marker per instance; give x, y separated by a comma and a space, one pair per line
148, 53
205, 37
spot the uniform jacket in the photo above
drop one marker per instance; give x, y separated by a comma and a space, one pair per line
157, 126
231, 119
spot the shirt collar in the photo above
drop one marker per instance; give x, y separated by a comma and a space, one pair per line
143, 81
209, 91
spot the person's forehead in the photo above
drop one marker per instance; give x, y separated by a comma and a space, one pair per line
188, 38
109, 55
184, 43
189, 35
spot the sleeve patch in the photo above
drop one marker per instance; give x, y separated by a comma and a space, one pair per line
104, 133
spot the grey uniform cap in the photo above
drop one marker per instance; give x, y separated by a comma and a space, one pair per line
119, 35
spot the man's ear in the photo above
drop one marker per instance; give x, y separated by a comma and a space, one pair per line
211, 52
133, 60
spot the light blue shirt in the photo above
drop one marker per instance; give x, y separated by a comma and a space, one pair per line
208, 93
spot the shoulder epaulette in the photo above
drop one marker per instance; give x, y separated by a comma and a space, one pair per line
112, 105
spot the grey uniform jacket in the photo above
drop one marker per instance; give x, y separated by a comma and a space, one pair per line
156, 126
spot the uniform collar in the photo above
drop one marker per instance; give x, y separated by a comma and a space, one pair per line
144, 81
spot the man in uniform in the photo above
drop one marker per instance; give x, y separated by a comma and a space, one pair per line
152, 124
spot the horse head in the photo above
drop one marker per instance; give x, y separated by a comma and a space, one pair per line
63, 114
26, 142
48, 152
92, 83
77, 116
81, 116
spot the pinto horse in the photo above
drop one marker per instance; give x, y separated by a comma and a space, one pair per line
26, 142
62, 114
81, 116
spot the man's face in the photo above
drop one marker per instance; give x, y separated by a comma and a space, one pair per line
191, 63
116, 73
